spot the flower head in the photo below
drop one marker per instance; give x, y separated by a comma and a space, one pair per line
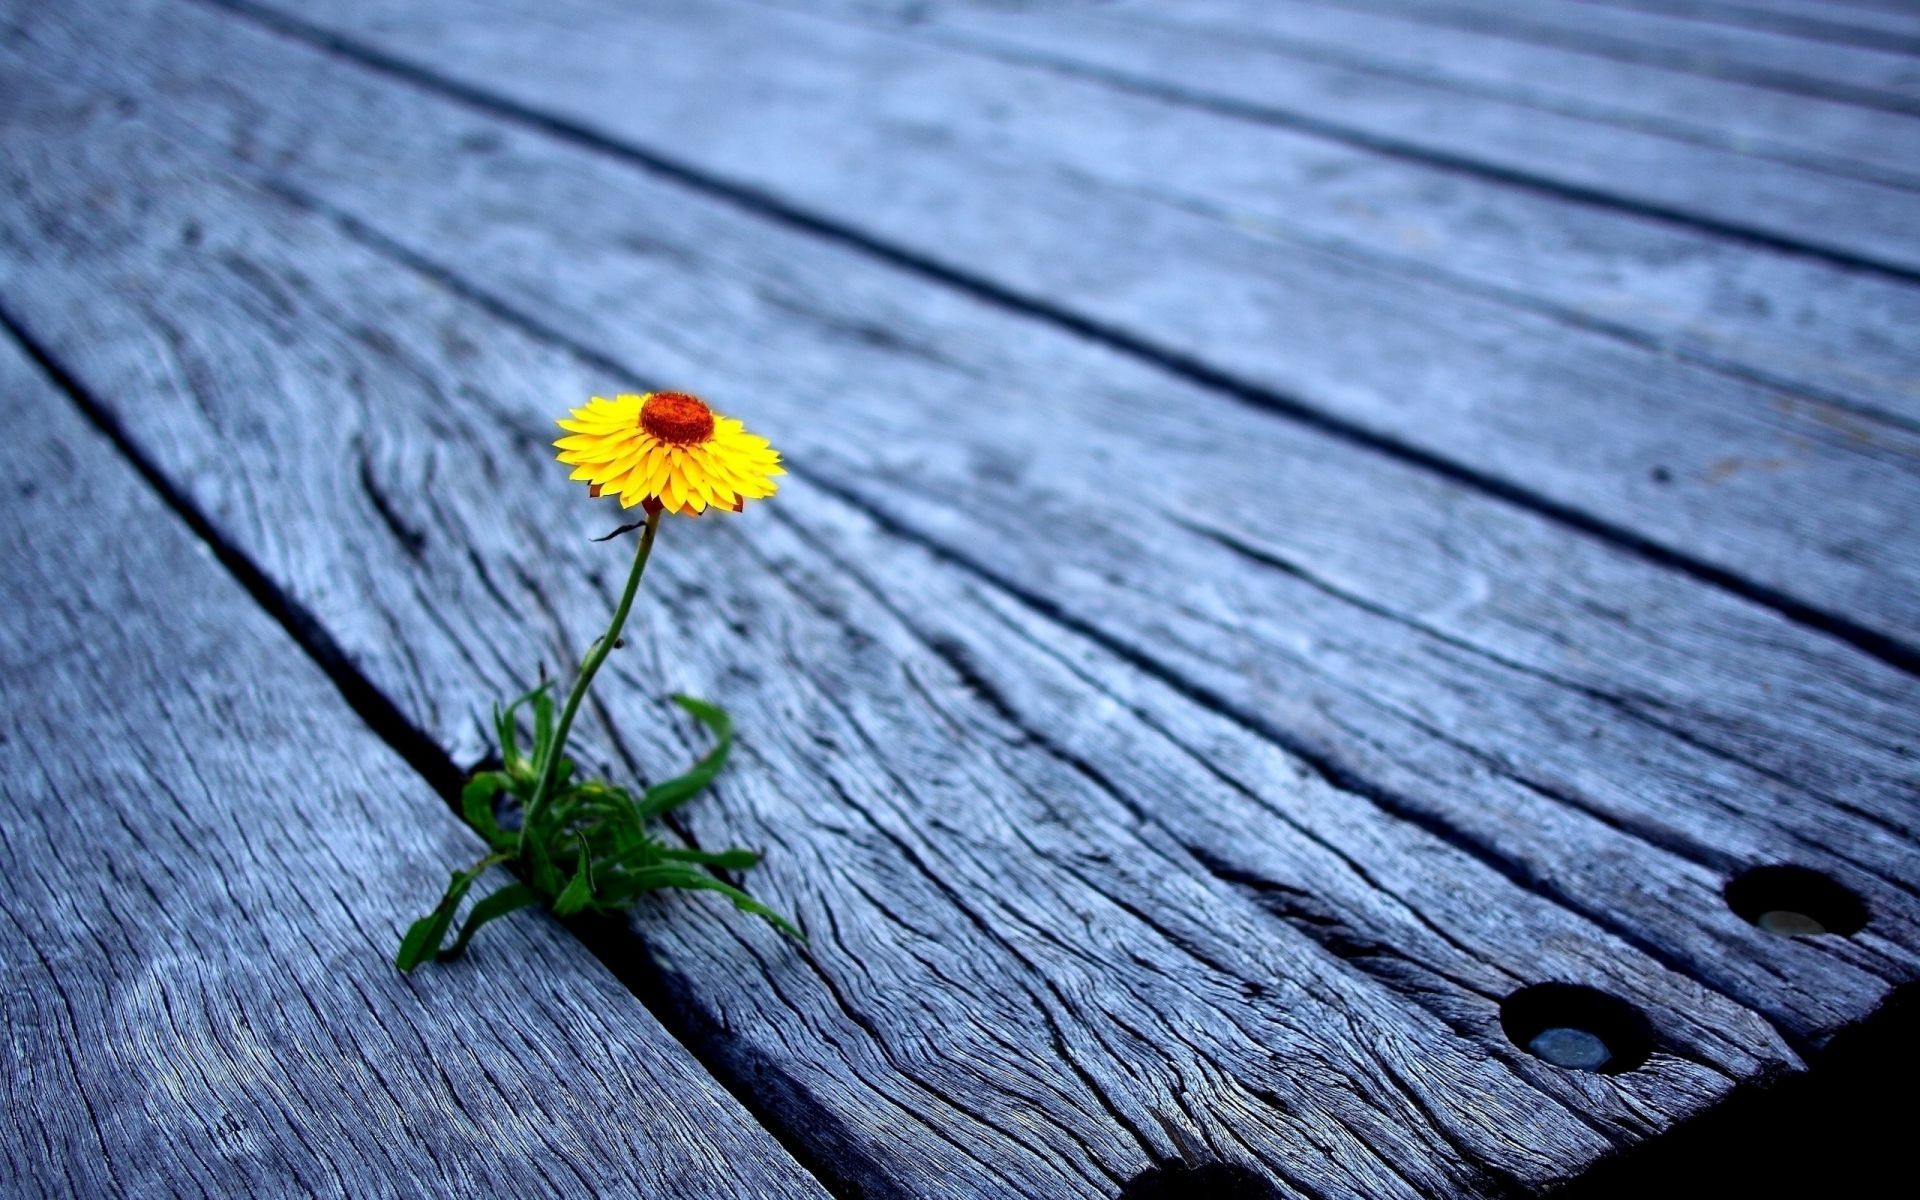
667, 450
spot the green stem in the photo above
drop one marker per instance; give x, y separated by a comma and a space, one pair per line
550, 769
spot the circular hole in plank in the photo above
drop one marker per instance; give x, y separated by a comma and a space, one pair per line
1795, 902
1203, 1181
1577, 1027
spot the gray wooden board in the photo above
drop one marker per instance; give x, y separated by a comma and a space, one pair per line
1779, 24
1721, 303
1033, 869
1801, 494
1740, 117
208, 861
1861, 76
1237, 67
1842, 24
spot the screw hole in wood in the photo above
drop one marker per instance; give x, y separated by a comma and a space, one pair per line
1795, 902
1200, 1181
1577, 1027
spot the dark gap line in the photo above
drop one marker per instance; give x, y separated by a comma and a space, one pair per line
1582, 195
1335, 773
420, 752
1812, 29
1675, 59
1872, 642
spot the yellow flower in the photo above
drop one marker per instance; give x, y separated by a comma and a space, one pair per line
667, 450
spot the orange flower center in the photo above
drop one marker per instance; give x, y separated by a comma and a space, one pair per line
677, 417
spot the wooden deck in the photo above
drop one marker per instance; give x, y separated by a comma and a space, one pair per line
1308, 522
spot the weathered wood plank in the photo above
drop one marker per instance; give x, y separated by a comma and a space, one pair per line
208, 860
811, 590
1787, 489
1710, 186
1847, 25
1742, 118
1500, 638
1722, 303
1858, 76
1029, 979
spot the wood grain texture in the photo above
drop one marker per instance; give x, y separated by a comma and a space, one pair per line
1028, 995
1863, 76
530, 261
1843, 24
1742, 118
208, 860
1466, 580
1720, 303
1790, 489
1113, 951
1245, 62
521, 257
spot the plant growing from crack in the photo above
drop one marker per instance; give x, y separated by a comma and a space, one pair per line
582, 845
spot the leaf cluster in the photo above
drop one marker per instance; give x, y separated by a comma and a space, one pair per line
586, 849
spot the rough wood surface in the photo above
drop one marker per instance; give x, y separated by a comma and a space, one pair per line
1244, 52
1742, 118
1076, 905
207, 862
1875, 78
1527, 597
1736, 472
1719, 302
1845, 24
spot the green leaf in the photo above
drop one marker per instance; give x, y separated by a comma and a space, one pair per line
579, 890
424, 936
503, 732
505, 725
542, 728
476, 804
613, 803
419, 941
511, 898
545, 877
666, 795
672, 875
735, 859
